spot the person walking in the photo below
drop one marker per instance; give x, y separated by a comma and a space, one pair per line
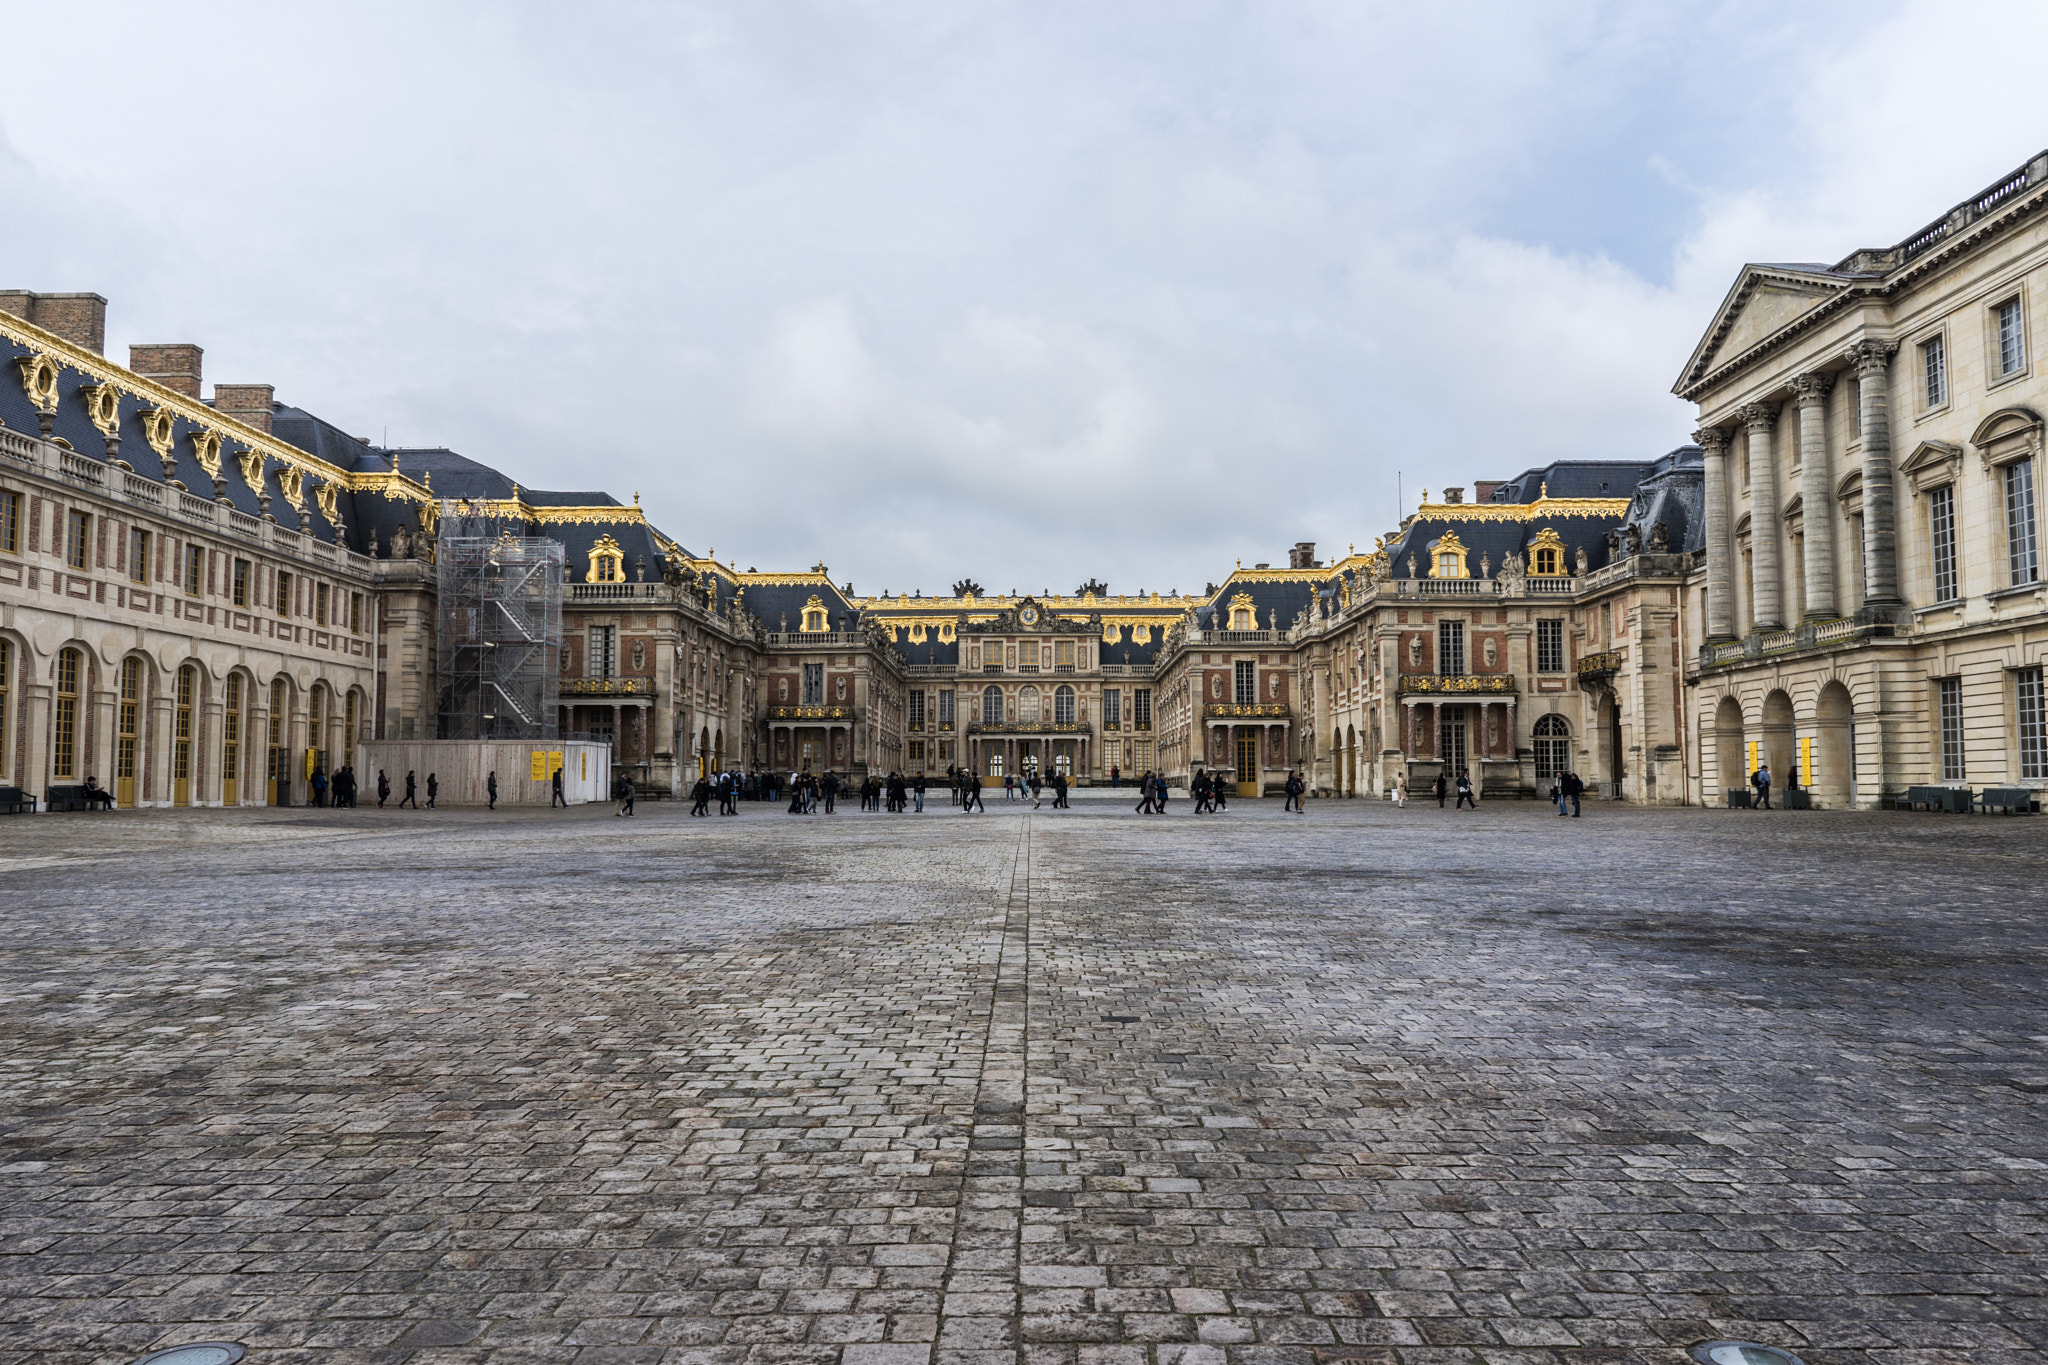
319, 786
1059, 785
831, 791
1401, 790
433, 789
917, 791
1442, 789
556, 798
491, 790
1199, 788
1294, 787
1573, 788
410, 784
1116, 776
970, 794
700, 797
1465, 797
1762, 782
1145, 804
383, 789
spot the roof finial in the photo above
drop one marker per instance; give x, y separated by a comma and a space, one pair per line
515, 492
1425, 497
1543, 490
636, 497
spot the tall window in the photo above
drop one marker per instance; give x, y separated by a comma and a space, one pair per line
814, 684
355, 613
1941, 526
181, 741
1113, 709
1450, 648
1027, 704
64, 730
991, 705
320, 596
195, 569
276, 735
1247, 680
316, 720
1553, 747
945, 708
2019, 522
1141, 708
241, 584
1063, 656
2012, 338
284, 593
1550, 646
1063, 706
10, 522
917, 708
231, 732
1952, 730
138, 555
1934, 370
603, 658
2033, 722
348, 729
77, 527
124, 730
6, 692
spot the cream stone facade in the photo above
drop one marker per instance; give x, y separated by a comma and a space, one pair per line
1872, 614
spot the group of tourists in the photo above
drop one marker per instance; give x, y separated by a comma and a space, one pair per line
895, 793
411, 790
1031, 787
340, 789
725, 786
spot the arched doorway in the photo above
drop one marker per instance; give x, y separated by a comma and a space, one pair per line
231, 743
1728, 750
1774, 739
185, 704
1834, 749
127, 729
1552, 737
279, 741
1616, 768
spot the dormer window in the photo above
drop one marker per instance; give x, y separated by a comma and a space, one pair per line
607, 561
815, 616
1447, 557
1243, 614
1546, 554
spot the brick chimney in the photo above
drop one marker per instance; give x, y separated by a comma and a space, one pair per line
1482, 489
247, 403
175, 365
80, 319
1303, 555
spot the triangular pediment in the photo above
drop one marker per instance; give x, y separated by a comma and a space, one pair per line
1765, 300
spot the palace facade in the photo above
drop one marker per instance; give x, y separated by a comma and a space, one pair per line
202, 598
1872, 615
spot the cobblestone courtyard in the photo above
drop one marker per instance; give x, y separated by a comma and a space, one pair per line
1065, 1088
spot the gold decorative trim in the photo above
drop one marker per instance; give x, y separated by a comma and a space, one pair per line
1461, 683
810, 713
1543, 507
103, 407
158, 429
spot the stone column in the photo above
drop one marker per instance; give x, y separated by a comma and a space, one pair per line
1816, 494
162, 721
1720, 546
1872, 360
38, 700
1767, 589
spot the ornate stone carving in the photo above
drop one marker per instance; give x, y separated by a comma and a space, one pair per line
39, 380
103, 406
401, 543
1811, 387
1580, 560
1712, 440
159, 429
1660, 539
1757, 415
1871, 357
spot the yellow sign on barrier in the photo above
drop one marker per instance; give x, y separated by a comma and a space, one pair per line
544, 763
1806, 760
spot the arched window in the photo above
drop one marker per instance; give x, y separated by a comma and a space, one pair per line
1027, 705
1243, 615
1447, 557
126, 727
1553, 747
814, 615
992, 705
607, 561
1546, 554
64, 739
231, 743
1063, 706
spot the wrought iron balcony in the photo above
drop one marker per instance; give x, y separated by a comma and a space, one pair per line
1267, 710
1032, 727
810, 713
1599, 667
607, 687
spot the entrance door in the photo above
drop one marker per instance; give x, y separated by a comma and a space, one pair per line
1614, 764
181, 738
1248, 762
1454, 743
808, 754
231, 744
124, 734
279, 768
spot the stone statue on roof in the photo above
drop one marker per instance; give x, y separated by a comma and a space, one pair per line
1660, 539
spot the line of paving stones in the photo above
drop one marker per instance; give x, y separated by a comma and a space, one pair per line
1072, 1088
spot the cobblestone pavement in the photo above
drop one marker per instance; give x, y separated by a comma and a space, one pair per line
1061, 1088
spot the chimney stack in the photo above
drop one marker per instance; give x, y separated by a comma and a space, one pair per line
175, 365
249, 404
80, 319
1303, 555
1453, 496
1482, 489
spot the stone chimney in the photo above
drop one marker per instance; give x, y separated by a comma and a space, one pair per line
1303, 555
175, 365
1453, 496
247, 403
1482, 489
80, 319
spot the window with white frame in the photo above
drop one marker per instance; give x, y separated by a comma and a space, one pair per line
603, 658
1934, 370
2012, 338
1941, 529
814, 685
1247, 691
917, 708
1113, 709
1450, 648
1952, 769
1550, 646
2021, 557
2033, 716
992, 705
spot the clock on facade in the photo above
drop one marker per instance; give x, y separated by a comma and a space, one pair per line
1029, 616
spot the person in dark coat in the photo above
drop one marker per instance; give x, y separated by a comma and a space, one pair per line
319, 783
433, 790
409, 799
1441, 789
1465, 796
556, 798
383, 789
700, 797
970, 794
831, 790
491, 787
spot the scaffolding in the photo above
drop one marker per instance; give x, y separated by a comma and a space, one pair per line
498, 626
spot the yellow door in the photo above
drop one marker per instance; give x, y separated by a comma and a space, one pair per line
124, 733
1248, 763
231, 743
181, 739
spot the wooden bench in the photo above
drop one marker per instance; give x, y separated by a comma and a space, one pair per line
2011, 800
14, 801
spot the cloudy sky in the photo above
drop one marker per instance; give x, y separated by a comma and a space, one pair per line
1025, 292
